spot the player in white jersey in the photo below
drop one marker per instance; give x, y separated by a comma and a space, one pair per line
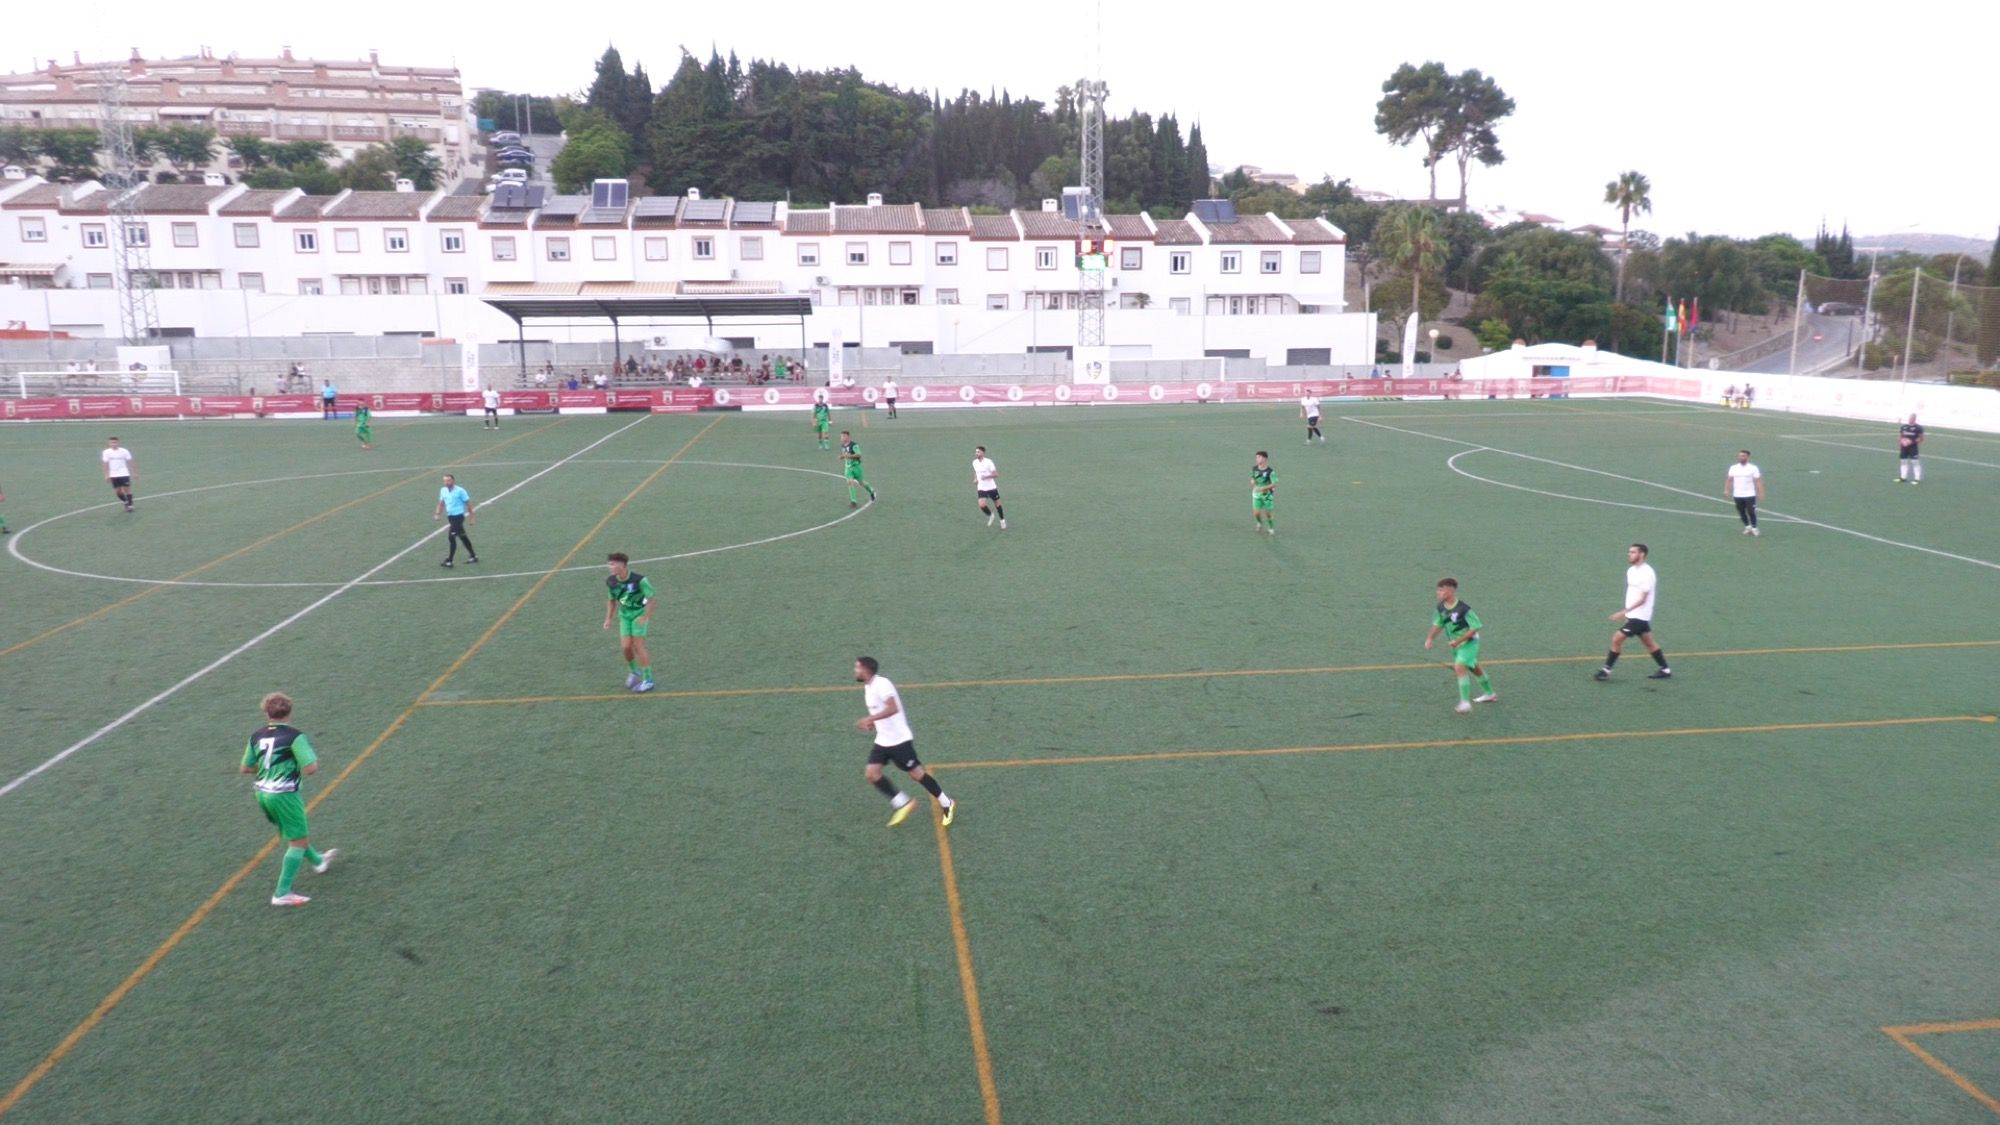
893, 743
491, 399
986, 482
1309, 410
1744, 484
1642, 598
119, 470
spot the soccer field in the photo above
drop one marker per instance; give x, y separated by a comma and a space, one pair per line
1225, 850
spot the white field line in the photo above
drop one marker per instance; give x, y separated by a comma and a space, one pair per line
1767, 512
280, 627
1885, 454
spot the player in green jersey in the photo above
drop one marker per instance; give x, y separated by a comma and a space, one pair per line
361, 428
4, 530
850, 459
631, 595
822, 422
1460, 626
279, 754
1264, 494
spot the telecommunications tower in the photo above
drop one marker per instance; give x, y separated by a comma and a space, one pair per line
1092, 236
125, 176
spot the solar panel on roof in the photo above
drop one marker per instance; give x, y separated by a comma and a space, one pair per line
510, 196
1215, 210
756, 212
705, 210
609, 194
657, 206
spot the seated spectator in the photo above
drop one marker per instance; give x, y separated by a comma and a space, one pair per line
573, 383
602, 381
542, 379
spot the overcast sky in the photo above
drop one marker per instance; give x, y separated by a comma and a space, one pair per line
1748, 118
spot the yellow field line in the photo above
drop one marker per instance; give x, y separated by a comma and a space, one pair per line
244, 550
1455, 743
1146, 677
1902, 1037
989, 1093
152, 961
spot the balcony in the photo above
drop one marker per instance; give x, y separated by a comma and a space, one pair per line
360, 133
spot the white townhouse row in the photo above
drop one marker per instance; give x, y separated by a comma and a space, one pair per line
233, 261
349, 104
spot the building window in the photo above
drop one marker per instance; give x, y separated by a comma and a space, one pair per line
1179, 306
704, 249
396, 240
420, 286
34, 230
97, 281
254, 282
947, 296
558, 249
857, 253
899, 253
1045, 257
185, 235
247, 236
1132, 258
1180, 261
947, 253
137, 234
1232, 262
1272, 261
456, 286
310, 287
750, 249
996, 259
305, 242
93, 235
997, 302
603, 248
1308, 261
503, 248
346, 240
452, 242
1236, 306
849, 297
809, 253
656, 249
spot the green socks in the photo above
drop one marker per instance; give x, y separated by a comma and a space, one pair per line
632, 666
1486, 684
1465, 689
313, 856
293, 857
646, 672
853, 493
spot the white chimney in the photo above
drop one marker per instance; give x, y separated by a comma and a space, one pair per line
874, 199
1049, 206
694, 193
404, 183
13, 172
213, 179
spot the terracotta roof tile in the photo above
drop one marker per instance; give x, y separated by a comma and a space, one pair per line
1314, 231
1247, 229
807, 222
1176, 232
1048, 224
1128, 228
96, 203
178, 199
380, 205
456, 208
947, 220
256, 201
306, 208
890, 218
995, 228
39, 196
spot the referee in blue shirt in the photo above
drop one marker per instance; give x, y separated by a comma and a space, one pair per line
455, 503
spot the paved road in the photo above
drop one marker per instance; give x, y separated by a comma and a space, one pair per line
1822, 340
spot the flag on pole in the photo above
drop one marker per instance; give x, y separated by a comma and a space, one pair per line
1684, 317
1672, 323
1694, 317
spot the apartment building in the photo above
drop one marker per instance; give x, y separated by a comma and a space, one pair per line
234, 261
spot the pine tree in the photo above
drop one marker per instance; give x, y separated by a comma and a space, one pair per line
609, 92
1197, 165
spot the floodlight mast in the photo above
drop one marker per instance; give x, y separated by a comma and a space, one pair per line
1092, 235
138, 312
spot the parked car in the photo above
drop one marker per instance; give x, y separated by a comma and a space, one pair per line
505, 138
1839, 308
511, 175
515, 156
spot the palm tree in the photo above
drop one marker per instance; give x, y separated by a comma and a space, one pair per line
1630, 192
1409, 238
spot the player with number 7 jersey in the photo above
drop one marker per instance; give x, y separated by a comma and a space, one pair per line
280, 755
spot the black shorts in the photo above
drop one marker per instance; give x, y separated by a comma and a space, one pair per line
1313, 421
904, 754
493, 412
1907, 452
121, 482
457, 523
1634, 627
989, 494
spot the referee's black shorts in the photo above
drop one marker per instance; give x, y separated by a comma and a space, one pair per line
904, 754
1634, 627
